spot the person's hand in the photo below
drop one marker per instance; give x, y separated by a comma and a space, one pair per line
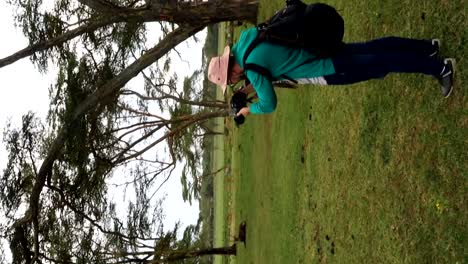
244, 111
248, 89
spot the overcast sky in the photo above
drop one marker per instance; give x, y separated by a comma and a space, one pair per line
24, 89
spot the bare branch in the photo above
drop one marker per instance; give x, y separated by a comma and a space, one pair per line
139, 126
128, 109
145, 124
213, 172
216, 104
120, 156
51, 260
190, 120
209, 134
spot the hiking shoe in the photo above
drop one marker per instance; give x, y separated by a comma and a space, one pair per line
436, 45
446, 77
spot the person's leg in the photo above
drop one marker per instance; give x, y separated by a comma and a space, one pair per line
352, 68
393, 45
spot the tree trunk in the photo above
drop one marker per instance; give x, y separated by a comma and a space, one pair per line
175, 256
202, 14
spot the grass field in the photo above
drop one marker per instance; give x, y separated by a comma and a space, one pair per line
370, 173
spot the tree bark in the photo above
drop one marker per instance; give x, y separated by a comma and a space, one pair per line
102, 6
201, 14
175, 256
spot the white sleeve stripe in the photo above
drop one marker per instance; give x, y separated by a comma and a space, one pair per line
315, 80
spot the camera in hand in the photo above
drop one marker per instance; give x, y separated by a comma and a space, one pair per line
238, 101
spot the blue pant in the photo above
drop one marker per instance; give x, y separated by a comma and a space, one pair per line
375, 59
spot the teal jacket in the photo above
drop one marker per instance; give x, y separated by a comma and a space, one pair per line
295, 63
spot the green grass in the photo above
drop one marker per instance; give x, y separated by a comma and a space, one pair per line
370, 173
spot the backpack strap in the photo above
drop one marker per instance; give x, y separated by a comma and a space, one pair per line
255, 67
252, 45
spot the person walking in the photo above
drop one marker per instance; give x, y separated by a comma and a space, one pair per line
355, 62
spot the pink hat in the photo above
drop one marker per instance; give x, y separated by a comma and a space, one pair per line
218, 69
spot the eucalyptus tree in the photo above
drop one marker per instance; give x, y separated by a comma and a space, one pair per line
54, 189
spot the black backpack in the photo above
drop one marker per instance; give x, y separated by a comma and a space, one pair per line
316, 27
